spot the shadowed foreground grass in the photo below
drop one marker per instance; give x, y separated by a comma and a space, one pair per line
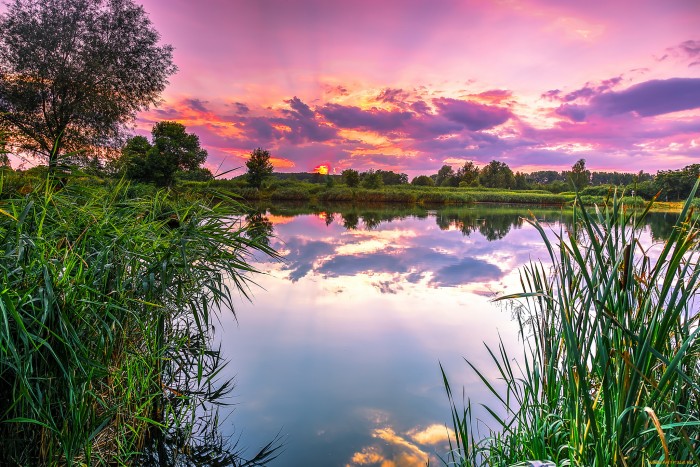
609, 373
105, 310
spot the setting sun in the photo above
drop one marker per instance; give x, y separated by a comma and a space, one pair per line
322, 169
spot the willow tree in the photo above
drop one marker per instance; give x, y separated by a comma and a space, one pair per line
73, 73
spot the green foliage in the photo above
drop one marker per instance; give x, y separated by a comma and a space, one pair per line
291, 194
173, 151
677, 184
371, 180
107, 306
611, 352
351, 178
468, 174
423, 180
75, 72
497, 175
445, 176
259, 167
392, 178
200, 174
579, 176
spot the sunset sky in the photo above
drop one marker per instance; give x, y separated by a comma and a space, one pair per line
410, 85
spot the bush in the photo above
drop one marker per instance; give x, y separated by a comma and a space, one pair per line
291, 194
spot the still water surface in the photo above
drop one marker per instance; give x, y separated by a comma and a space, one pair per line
340, 348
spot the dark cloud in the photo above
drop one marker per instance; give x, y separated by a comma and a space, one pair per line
575, 113
262, 129
196, 104
471, 115
302, 123
420, 107
585, 93
655, 97
392, 95
552, 95
300, 109
373, 119
468, 270
241, 108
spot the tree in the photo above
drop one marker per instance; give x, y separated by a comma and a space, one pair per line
579, 176
372, 179
259, 167
4, 160
351, 177
423, 180
73, 73
173, 150
497, 175
445, 173
468, 173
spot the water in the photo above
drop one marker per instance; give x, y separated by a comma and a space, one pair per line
340, 349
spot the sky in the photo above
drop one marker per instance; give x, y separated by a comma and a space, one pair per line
410, 85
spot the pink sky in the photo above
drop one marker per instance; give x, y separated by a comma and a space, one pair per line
410, 85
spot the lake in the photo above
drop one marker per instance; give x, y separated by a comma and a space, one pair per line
340, 349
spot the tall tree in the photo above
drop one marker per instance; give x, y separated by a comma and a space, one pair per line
468, 173
579, 176
497, 175
259, 167
445, 173
73, 73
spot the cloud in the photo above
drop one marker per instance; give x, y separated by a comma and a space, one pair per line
302, 124
197, 104
466, 271
575, 113
689, 50
241, 108
651, 98
364, 263
471, 115
374, 119
392, 95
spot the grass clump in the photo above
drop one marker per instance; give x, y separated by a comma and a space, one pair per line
105, 310
611, 352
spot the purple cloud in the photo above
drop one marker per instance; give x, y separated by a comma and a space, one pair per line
374, 120
655, 97
302, 123
196, 104
241, 108
471, 115
392, 95
575, 113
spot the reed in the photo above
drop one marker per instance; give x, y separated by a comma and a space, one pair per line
106, 302
608, 375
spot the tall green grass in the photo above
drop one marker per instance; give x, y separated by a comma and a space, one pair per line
106, 305
609, 372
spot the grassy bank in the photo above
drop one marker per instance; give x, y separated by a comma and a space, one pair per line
105, 312
608, 375
291, 190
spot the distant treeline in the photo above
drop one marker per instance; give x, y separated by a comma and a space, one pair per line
673, 184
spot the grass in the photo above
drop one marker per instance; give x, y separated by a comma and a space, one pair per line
608, 375
106, 307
